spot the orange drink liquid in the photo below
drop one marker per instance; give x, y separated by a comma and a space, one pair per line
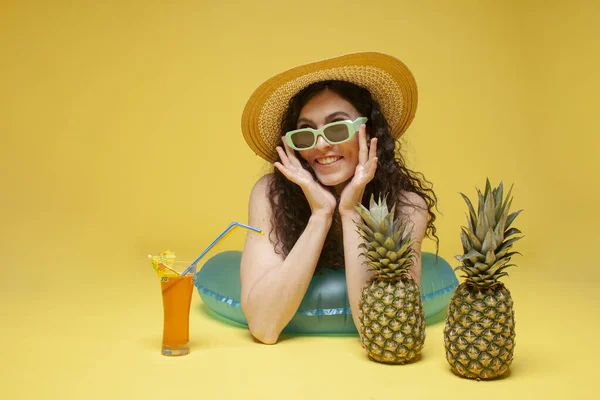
177, 297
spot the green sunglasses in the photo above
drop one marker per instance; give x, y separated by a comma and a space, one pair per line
333, 133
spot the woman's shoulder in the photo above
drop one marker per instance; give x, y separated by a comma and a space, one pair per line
260, 190
414, 208
412, 200
258, 202
263, 183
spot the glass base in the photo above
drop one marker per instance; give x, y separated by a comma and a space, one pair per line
175, 350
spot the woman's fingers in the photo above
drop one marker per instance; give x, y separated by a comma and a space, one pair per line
286, 172
288, 158
373, 148
289, 166
290, 154
283, 156
281, 169
363, 150
372, 167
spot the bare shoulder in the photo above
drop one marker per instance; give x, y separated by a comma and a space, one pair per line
415, 209
261, 186
413, 203
259, 207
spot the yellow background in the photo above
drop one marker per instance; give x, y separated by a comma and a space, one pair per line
119, 125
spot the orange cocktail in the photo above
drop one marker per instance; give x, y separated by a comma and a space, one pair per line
177, 297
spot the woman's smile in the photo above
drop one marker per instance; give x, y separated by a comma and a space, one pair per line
327, 161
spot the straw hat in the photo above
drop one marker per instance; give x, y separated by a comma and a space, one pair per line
387, 78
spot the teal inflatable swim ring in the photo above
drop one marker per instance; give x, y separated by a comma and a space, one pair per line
325, 308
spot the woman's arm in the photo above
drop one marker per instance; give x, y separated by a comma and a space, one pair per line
273, 288
357, 270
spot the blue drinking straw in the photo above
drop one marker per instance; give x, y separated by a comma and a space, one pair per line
230, 227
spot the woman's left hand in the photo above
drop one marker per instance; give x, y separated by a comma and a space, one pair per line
364, 173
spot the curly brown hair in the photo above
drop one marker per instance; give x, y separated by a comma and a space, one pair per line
291, 210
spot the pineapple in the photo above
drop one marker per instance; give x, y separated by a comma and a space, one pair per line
479, 335
390, 309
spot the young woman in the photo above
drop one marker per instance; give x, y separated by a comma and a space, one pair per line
330, 129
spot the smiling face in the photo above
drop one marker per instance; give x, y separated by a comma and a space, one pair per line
335, 164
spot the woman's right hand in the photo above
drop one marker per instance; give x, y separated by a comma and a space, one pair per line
321, 201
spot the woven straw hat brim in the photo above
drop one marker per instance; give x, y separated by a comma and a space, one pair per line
388, 79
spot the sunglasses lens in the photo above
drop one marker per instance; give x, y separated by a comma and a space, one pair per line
336, 133
303, 139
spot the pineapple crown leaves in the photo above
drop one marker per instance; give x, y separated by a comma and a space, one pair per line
488, 237
387, 242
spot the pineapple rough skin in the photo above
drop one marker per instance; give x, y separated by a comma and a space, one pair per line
479, 334
392, 320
